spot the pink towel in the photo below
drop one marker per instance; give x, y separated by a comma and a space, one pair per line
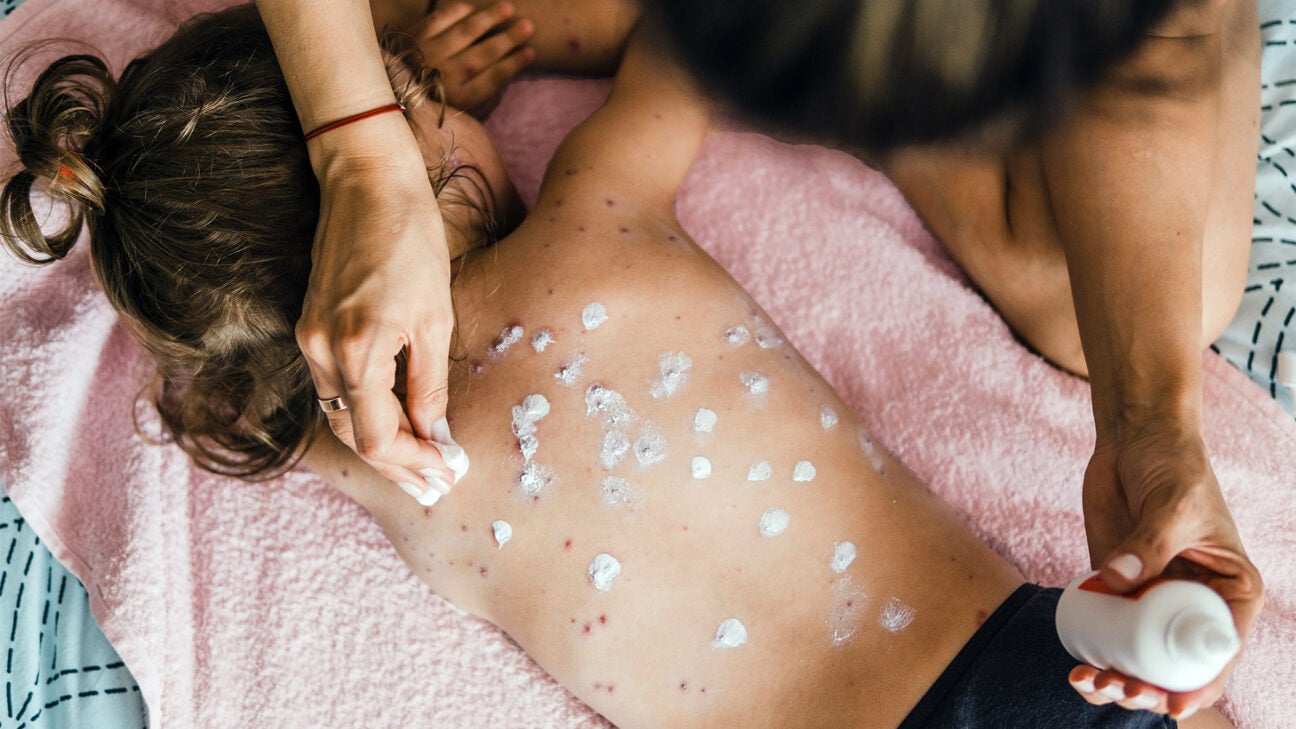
281, 604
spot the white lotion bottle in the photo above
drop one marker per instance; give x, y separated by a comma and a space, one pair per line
1175, 634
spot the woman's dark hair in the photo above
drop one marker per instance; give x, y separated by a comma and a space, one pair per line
879, 74
192, 176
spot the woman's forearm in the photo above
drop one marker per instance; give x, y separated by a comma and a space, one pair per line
331, 60
1129, 176
329, 54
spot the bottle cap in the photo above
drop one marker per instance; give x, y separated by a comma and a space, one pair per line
1202, 638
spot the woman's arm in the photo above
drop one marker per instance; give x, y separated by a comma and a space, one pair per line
1130, 178
380, 275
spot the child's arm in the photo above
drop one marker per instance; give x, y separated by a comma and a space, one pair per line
574, 36
635, 150
478, 46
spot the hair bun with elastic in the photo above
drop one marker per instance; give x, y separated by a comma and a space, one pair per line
54, 131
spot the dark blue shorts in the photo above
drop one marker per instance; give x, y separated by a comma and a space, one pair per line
1012, 674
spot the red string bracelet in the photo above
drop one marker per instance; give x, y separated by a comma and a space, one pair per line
352, 119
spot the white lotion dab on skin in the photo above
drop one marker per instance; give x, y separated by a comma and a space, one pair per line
731, 634
803, 472
843, 554
503, 532
736, 336
704, 421
773, 522
1175, 634
541, 340
755, 382
760, 471
507, 338
593, 316
701, 467
603, 570
827, 417
674, 367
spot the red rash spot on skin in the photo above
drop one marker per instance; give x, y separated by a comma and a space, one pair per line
551, 292
703, 689
452, 563
567, 545
483, 571
573, 44
581, 229
427, 511
981, 617
611, 203
598, 687
463, 527
558, 203
553, 220
346, 473
470, 70
624, 229
686, 527
683, 685
573, 621
569, 171
850, 603
586, 630
602, 620
611, 689
672, 238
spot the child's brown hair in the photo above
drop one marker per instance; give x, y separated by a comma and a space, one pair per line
192, 176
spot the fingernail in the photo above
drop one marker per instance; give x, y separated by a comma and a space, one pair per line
1113, 692
411, 489
441, 431
435, 479
1185, 713
1128, 566
1085, 686
433, 494
1143, 701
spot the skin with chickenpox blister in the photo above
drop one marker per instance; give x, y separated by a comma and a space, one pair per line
652, 458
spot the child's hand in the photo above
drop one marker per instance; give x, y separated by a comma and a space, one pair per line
476, 51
